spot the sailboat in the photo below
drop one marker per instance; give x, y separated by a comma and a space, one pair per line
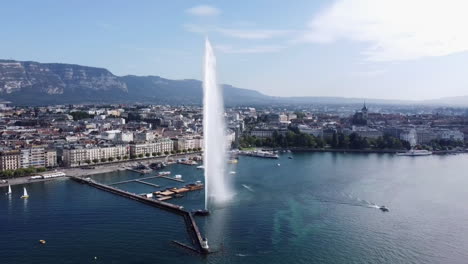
25, 194
9, 190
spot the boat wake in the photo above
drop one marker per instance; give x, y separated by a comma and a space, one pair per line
351, 202
248, 187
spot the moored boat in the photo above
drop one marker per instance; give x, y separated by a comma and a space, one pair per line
415, 152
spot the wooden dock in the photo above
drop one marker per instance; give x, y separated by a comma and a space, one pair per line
190, 223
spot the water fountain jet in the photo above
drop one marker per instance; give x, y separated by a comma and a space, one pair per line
214, 134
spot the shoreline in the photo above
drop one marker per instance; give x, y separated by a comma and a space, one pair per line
99, 169
116, 166
387, 151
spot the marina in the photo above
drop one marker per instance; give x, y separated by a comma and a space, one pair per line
191, 225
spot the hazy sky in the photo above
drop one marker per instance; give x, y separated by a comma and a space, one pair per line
394, 49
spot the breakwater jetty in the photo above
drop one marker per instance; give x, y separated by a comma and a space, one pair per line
190, 223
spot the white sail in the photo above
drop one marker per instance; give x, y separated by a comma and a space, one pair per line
9, 189
25, 194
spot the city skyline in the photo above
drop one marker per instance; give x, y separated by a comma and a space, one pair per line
307, 49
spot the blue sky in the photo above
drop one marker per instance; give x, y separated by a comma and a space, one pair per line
391, 49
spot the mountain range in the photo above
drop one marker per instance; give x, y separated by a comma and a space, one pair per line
34, 83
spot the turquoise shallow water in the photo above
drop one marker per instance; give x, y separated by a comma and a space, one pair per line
315, 208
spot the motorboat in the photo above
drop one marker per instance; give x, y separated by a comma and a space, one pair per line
383, 208
201, 212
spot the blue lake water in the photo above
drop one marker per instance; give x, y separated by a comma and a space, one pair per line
314, 208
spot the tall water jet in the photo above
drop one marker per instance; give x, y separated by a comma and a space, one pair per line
214, 133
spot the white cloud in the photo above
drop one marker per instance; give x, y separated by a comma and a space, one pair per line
251, 34
238, 33
204, 10
394, 29
255, 49
368, 73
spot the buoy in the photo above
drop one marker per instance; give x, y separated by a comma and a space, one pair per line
42, 241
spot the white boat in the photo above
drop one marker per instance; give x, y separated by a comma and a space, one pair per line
261, 154
9, 189
25, 194
164, 173
200, 167
178, 176
415, 152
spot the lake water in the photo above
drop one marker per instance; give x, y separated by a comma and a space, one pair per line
314, 208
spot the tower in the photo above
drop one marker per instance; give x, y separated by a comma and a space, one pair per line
364, 111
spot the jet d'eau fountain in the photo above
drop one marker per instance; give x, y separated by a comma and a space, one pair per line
217, 188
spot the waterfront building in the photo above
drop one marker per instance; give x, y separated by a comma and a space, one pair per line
365, 132
51, 158
266, 132
315, 131
79, 155
185, 143
10, 160
451, 135
160, 146
33, 157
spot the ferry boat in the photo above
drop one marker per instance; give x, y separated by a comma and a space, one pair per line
415, 152
260, 154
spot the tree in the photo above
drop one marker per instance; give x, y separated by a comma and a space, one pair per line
158, 154
299, 114
78, 115
173, 152
140, 155
147, 155
178, 151
95, 160
110, 159
154, 154
103, 159
166, 152
125, 157
119, 158
87, 161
